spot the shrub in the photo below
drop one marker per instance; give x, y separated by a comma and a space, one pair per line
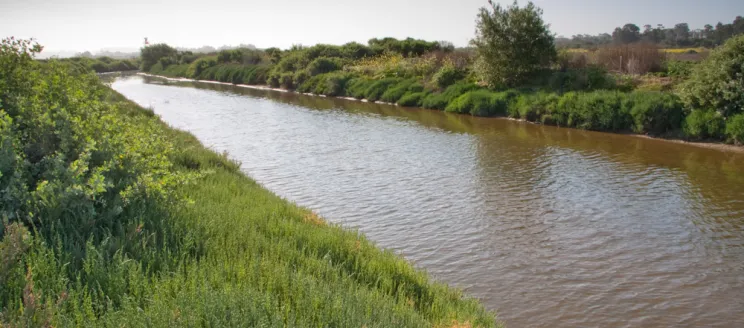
357, 87
447, 75
286, 81
481, 103
300, 77
735, 128
334, 84
534, 107
679, 68
394, 93
200, 65
702, 124
718, 81
655, 112
441, 100
378, 88
323, 65
273, 79
414, 99
598, 110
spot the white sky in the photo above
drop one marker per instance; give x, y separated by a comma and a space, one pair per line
79, 25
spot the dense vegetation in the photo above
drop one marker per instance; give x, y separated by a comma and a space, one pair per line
103, 64
512, 69
111, 218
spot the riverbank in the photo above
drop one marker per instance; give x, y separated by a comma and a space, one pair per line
111, 216
717, 145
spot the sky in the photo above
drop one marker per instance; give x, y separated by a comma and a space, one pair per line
79, 25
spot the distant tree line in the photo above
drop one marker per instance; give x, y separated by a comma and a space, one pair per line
678, 36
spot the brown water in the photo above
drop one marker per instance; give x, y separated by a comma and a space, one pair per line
550, 227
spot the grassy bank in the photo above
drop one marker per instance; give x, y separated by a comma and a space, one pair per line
112, 218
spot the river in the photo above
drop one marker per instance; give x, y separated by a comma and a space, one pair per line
550, 227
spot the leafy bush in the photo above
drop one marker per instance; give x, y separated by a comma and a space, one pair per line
702, 124
441, 100
598, 110
200, 65
718, 81
378, 88
681, 69
735, 128
481, 103
655, 112
447, 75
395, 92
286, 81
323, 65
534, 107
357, 87
414, 99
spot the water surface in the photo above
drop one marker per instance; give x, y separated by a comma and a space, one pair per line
550, 227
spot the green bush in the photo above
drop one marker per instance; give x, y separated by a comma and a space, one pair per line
735, 128
598, 110
200, 65
395, 92
481, 103
286, 81
534, 107
447, 75
680, 68
703, 124
378, 88
718, 81
441, 100
323, 65
413, 99
655, 112
357, 87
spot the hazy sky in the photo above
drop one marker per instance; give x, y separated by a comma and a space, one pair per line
92, 25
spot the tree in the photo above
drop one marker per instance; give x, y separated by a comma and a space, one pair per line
682, 33
628, 34
512, 44
718, 81
151, 54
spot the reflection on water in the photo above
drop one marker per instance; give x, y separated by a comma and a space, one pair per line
548, 226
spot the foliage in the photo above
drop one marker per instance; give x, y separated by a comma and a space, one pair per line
412, 99
598, 110
580, 79
655, 112
150, 55
718, 81
442, 99
703, 124
735, 128
679, 69
447, 75
535, 107
512, 44
112, 217
481, 103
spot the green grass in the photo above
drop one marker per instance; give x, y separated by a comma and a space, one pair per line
113, 218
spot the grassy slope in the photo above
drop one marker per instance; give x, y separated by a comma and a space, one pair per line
251, 259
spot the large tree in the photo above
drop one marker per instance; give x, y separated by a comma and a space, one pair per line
512, 43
